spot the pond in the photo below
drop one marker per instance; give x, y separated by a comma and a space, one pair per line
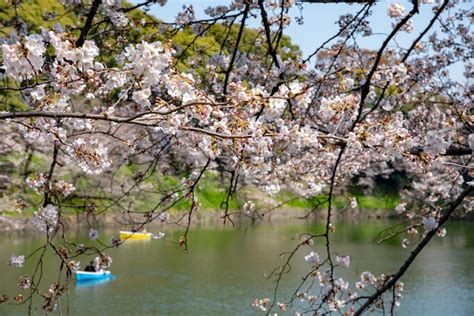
226, 268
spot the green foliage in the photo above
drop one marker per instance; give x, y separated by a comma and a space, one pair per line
10, 100
384, 202
293, 201
378, 202
33, 13
212, 193
127, 171
39, 14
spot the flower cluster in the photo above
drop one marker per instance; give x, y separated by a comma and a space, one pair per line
261, 304
17, 261
185, 16
312, 258
37, 182
93, 234
24, 283
22, 60
63, 188
345, 261
429, 223
395, 10
74, 265
46, 218
367, 279
164, 216
102, 262
249, 207
89, 155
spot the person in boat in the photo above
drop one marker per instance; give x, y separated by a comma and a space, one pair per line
90, 267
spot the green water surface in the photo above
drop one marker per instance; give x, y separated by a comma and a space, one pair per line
226, 268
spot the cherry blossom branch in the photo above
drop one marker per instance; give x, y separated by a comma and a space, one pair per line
393, 280
365, 89
184, 239
268, 37
214, 134
237, 42
423, 33
47, 195
100, 117
365, 9
56, 115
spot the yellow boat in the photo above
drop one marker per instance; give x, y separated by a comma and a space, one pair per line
127, 235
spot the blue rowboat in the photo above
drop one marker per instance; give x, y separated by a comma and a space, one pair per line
86, 275
90, 283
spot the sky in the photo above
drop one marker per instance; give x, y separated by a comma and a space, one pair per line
319, 22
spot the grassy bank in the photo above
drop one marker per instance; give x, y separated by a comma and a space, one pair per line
211, 191
211, 194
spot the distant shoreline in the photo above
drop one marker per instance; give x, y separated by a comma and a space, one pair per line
206, 218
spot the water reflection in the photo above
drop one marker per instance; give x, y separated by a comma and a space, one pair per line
225, 270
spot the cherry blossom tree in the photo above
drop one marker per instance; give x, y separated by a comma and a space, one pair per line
122, 88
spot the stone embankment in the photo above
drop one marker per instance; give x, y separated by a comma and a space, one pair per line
13, 224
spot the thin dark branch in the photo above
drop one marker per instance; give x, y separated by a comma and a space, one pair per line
268, 36
236, 48
433, 20
365, 89
415, 252
87, 26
